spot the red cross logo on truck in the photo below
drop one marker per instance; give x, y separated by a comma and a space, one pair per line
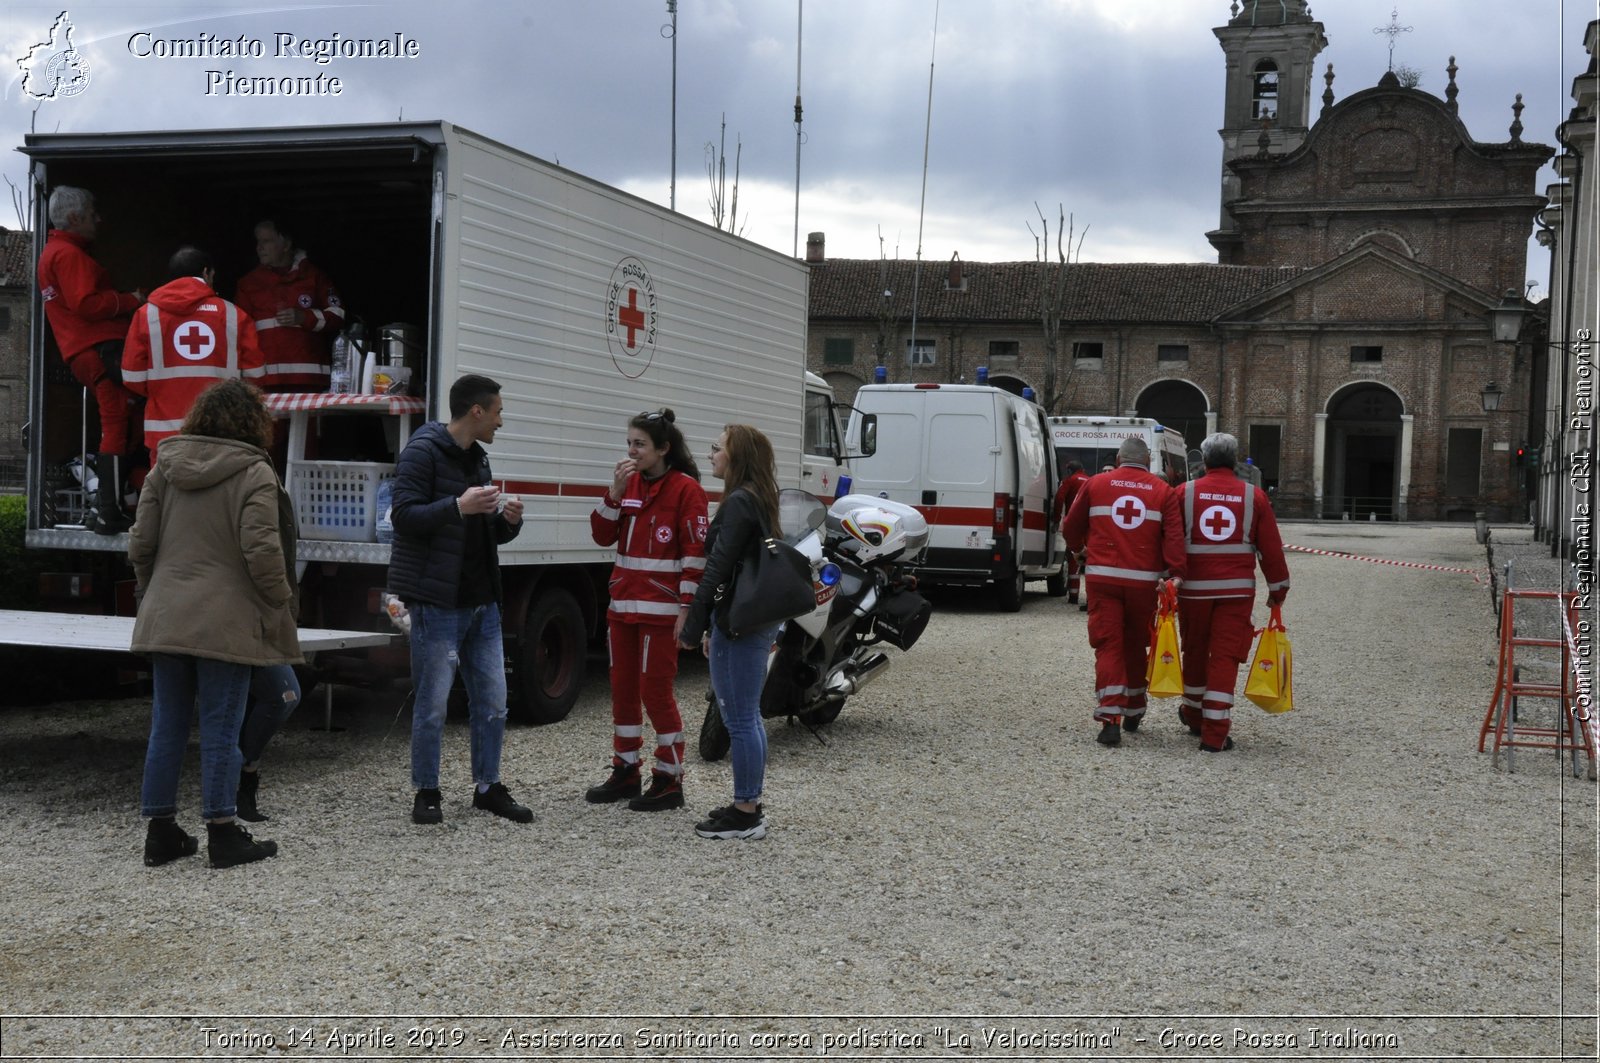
631, 318
194, 340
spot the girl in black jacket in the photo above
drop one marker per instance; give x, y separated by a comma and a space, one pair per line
742, 458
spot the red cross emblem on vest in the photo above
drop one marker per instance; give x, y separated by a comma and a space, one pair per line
1217, 523
1128, 512
194, 340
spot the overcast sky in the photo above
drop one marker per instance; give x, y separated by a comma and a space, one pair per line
1108, 108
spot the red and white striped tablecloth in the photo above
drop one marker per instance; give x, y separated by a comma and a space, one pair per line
294, 402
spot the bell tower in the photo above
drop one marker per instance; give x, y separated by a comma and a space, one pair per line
1270, 46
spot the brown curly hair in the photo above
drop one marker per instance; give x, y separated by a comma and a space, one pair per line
231, 409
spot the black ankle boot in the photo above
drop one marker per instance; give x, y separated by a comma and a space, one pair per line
110, 518
246, 800
228, 844
623, 782
165, 841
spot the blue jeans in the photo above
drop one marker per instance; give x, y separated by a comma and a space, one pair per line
738, 671
443, 640
274, 693
219, 688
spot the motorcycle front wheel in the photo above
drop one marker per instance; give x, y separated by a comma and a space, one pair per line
714, 739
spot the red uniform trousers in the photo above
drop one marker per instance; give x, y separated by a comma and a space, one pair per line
644, 663
1074, 567
120, 429
1119, 631
1216, 634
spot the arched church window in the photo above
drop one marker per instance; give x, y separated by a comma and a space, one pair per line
1265, 98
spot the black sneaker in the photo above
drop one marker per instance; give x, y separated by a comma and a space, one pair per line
1131, 723
165, 841
425, 809
1110, 735
228, 845
623, 782
1227, 744
733, 823
498, 800
1193, 729
666, 791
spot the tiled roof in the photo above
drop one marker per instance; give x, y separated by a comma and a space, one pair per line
1104, 292
16, 258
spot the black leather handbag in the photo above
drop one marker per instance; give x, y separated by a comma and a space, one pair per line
773, 585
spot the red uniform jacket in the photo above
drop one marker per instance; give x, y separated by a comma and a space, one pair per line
1065, 493
659, 528
1128, 519
79, 302
185, 339
1227, 523
299, 356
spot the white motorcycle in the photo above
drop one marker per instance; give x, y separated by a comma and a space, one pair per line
857, 549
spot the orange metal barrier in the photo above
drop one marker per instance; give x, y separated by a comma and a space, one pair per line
1574, 729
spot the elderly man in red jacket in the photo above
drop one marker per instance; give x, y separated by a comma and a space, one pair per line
1127, 521
90, 321
1227, 524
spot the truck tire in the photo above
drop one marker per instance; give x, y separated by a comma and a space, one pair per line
550, 658
1008, 591
1056, 584
714, 740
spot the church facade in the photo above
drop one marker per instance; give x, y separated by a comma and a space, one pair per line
1343, 334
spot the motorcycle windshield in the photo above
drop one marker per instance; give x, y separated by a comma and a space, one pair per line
799, 514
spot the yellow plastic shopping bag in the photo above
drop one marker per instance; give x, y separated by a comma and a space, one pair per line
1163, 669
1271, 682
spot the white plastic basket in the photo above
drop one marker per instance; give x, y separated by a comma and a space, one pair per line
337, 499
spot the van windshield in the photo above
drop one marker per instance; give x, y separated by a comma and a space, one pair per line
1093, 459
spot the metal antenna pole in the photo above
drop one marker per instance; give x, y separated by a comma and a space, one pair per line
671, 31
927, 129
800, 16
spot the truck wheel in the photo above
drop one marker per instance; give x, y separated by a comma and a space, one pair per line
1008, 592
714, 739
1056, 585
550, 658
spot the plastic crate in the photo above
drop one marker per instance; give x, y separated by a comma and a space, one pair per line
337, 499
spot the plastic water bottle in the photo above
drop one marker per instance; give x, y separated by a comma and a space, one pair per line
339, 377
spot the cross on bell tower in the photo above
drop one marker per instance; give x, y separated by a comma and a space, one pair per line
1269, 46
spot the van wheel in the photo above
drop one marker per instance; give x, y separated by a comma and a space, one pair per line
1056, 585
550, 658
714, 740
1008, 592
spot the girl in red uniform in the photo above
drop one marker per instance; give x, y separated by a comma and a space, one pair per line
655, 514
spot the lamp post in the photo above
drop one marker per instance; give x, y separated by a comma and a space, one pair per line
1489, 395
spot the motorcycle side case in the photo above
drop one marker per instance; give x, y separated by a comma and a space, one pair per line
902, 616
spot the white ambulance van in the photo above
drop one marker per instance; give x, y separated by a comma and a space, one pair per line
976, 461
1093, 442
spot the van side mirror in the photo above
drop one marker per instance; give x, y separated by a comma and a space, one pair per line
869, 434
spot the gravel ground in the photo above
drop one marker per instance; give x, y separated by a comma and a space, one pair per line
960, 857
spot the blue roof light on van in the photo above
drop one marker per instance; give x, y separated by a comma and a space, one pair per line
983, 374
880, 374
1028, 393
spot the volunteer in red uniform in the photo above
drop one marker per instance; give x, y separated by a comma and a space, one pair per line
1127, 522
1070, 486
186, 338
296, 312
90, 320
1227, 523
655, 513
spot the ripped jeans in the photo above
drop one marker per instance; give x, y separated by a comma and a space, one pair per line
443, 640
274, 694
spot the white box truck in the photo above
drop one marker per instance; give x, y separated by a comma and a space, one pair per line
976, 461
587, 304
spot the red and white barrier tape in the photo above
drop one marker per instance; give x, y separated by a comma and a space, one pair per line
1477, 576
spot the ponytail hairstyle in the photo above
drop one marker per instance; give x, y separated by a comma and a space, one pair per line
752, 466
660, 425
